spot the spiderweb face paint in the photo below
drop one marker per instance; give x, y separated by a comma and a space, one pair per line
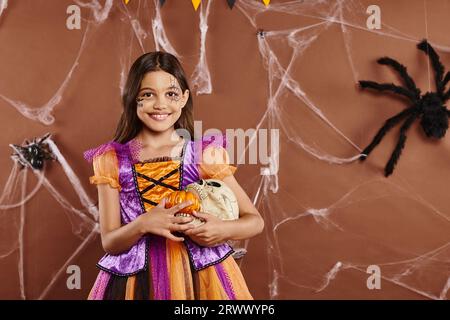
172, 95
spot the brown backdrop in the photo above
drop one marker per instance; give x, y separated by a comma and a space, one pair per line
326, 222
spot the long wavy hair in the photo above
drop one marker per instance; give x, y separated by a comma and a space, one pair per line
129, 124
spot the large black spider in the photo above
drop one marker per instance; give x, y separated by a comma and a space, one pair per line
33, 153
429, 107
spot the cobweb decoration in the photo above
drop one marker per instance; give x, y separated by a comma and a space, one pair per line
159, 34
43, 113
84, 225
139, 33
3, 6
408, 273
201, 78
100, 12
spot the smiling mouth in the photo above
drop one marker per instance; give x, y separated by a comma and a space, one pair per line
159, 116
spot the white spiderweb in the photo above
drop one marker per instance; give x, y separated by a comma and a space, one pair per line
15, 195
84, 223
409, 270
424, 271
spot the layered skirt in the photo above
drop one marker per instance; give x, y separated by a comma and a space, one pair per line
174, 280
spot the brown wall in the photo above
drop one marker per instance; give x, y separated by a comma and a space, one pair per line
400, 223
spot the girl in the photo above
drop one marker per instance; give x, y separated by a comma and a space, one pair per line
150, 252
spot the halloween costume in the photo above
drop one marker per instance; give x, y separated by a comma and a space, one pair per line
156, 267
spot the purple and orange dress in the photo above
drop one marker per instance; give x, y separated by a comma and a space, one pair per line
155, 267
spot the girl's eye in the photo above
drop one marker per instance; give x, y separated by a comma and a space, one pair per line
147, 94
174, 96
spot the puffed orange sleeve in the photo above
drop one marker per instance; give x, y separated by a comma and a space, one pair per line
106, 169
215, 163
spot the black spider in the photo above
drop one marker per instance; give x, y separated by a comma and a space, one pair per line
33, 153
261, 33
429, 107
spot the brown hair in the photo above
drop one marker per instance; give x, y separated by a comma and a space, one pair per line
129, 124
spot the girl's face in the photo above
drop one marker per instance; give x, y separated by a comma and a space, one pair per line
160, 100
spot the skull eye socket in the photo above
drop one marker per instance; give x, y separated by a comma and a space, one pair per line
213, 184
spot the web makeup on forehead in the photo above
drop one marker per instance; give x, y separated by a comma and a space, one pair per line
174, 93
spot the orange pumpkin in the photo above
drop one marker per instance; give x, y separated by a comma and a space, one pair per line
178, 197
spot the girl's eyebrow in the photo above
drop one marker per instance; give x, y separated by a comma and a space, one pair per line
168, 88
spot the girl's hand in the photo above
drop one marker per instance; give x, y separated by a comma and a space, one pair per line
209, 234
162, 221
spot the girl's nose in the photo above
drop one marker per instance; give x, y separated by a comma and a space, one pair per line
160, 103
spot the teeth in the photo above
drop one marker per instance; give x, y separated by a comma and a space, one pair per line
183, 215
159, 116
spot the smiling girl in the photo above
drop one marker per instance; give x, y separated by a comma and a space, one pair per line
150, 252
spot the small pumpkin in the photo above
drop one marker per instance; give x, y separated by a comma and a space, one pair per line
178, 197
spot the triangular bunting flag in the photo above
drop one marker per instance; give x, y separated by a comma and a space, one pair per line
231, 3
196, 3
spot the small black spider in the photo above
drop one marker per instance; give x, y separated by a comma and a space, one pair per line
429, 107
33, 153
261, 33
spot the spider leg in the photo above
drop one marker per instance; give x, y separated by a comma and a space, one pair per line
436, 63
446, 79
400, 145
387, 87
383, 130
447, 95
402, 71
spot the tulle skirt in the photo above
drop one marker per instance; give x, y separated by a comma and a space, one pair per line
178, 281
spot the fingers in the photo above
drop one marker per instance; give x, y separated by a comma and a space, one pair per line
206, 242
181, 227
182, 219
179, 206
198, 231
201, 215
162, 203
174, 238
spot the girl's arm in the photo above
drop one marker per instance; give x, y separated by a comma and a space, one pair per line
117, 238
250, 222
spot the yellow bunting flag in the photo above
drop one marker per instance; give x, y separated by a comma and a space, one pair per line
196, 3
266, 2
